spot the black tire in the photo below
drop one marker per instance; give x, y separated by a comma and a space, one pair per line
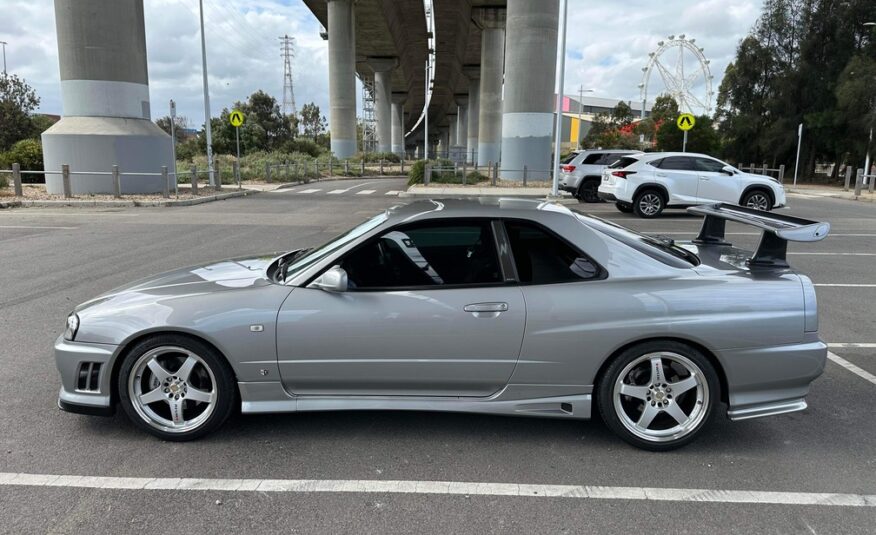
623, 207
758, 199
649, 203
222, 382
701, 405
588, 190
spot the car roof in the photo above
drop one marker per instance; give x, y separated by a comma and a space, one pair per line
651, 155
495, 207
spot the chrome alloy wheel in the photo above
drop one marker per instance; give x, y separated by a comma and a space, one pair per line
758, 201
650, 204
172, 389
660, 397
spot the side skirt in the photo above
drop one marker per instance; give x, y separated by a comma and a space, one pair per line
514, 400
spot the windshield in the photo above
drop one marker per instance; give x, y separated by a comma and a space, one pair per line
312, 256
643, 243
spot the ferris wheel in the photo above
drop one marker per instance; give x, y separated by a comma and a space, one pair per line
685, 74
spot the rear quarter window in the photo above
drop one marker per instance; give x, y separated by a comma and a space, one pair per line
624, 161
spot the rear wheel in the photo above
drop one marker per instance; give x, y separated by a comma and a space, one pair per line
176, 388
624, 207
758, 200
588, 190
658, 395
649, 203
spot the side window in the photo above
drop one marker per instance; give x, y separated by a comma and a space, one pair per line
709, 165
656, 163
542, 258
609, 158
426, 255
678, 163
591, 158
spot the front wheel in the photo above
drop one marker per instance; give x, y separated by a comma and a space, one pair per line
176, 388
648, 204
658, 396
758, 200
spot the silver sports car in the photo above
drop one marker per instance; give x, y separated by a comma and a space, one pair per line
507, 306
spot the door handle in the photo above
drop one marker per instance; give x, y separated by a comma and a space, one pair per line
704, 178
486, 307
661, 175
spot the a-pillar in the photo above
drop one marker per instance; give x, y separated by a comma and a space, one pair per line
342, 77
398, 123
383, 68
530, 68
492, 23
473, 73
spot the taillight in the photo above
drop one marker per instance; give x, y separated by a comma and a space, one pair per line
622, 174
568, 168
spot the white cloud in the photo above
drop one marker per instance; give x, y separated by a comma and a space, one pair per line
608, 43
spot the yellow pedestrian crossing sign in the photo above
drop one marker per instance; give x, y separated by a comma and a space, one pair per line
686, 121
236, 118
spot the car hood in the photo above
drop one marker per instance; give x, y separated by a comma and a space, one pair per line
212, 277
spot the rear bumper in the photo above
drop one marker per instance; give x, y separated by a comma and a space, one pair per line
610, 197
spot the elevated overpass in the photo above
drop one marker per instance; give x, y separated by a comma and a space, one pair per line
478, 44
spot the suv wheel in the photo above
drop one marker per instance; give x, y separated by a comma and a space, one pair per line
648, 204
588, 191
757, 199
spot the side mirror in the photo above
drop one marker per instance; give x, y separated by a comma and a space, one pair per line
729, 170
333, 280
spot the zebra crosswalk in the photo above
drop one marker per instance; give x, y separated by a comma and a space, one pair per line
323, 191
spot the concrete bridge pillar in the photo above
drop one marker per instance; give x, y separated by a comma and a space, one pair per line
398, 123
473, 73
461, 121
530, 68
383, 68
492, 23
342, 77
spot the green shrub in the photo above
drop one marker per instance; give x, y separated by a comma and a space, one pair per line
28, 153
374, 157
304, 146
474, 177
3, 181
418, 170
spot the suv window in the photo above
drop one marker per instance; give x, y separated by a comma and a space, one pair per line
592, 158
678, 163
569, 158
542, 258
426, 254
709, 165
623, 161
609, 158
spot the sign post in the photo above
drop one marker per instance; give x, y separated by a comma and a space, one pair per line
799, 142
685, 122
236, 120
173, 145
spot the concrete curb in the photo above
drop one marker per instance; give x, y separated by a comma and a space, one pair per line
76, 203
461, 192
845, 195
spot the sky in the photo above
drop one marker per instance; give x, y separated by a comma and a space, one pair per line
607, 45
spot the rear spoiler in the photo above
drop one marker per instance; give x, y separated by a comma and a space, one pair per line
778, 230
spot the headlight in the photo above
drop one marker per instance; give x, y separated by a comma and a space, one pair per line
72, 326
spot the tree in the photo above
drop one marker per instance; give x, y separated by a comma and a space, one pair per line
664, 108
181, 125
701, 138
313, 124
17, 101
622, 114
264, 128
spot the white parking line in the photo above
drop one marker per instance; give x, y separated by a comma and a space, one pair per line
366, 192
864, 374
852, 344
37, 227
307, 486
843, 285
833, 254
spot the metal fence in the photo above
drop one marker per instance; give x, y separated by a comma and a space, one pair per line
462, 174
861, 179
68, 175
778, 173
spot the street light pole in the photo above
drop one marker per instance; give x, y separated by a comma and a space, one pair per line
870, 139
558, 125
799, 141
581, 92
426, 115
207, 123
4, 43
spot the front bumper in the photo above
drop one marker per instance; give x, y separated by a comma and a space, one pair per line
71, 359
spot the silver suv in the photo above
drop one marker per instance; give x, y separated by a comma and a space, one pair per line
581, 171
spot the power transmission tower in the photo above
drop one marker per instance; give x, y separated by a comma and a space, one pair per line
287, 47
369, 123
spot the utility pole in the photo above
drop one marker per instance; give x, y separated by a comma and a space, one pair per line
287, 47
581, 92
561, 77
4, 43
207, 123
799, 142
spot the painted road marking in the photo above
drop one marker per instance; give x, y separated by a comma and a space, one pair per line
307, 486
310, 190
337, 191
366, 192
37, 227
867, 376
842, 285
852, 344
833, 254
392, 192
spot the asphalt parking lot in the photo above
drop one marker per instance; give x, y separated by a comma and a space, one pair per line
51, 259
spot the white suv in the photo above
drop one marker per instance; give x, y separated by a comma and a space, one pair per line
648, 183
582, 170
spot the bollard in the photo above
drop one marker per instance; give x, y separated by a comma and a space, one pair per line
495, 172
268, 173
304, 172
764, 172
166, 192
117, 183
362, 171
331, 164
218, 172
848, 178
872, 180
859, 179
782, 174
194, 180
237, 173
402, 165
346, 167
525, 175
381, 166
464, 173
65, 178
490, 173
16, 179
427, 174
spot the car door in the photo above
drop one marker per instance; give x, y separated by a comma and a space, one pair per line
681, 178
714, 184
427, 313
